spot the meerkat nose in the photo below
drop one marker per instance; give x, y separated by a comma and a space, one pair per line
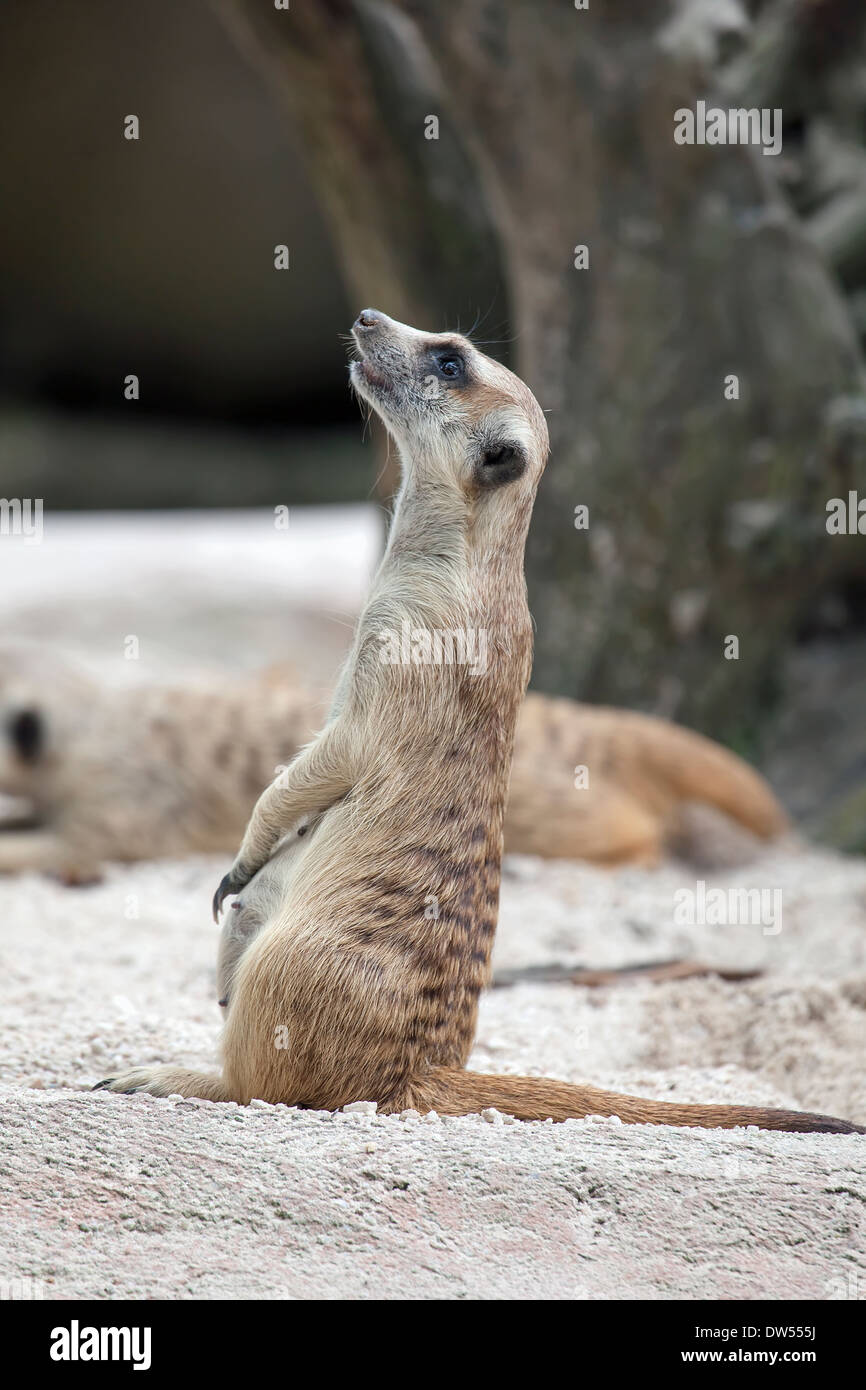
367, 319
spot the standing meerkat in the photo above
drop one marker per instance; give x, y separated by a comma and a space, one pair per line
369, 935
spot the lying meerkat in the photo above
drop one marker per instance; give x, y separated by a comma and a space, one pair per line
134, 772
641, 774
369, 873
147, 772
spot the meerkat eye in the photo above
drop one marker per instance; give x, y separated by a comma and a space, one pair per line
450, 364
26, 734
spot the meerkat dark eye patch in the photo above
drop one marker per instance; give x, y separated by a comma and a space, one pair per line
26, 734
500, 463
449, 364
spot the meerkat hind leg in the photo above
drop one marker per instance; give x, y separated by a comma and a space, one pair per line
260, 900
239, 929
168, 1081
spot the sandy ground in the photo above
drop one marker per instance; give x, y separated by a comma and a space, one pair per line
107, 1196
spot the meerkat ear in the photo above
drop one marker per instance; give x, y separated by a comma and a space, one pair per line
501, 461
26, 733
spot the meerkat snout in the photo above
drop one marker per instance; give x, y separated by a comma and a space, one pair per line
368, 318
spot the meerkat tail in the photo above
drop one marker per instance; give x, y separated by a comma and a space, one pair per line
697, 769
451, 1091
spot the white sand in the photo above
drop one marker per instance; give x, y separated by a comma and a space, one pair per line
110, 1196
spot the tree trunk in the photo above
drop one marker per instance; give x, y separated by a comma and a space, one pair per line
556, 129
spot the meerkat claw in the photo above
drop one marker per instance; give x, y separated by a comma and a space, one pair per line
129, 1083
225, 890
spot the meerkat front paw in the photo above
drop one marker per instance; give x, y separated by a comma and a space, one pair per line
235, 881
156, 1081
80, 876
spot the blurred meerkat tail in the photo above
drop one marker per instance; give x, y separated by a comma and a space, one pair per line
451, 1091
697, 769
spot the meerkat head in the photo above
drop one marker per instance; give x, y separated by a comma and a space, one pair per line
462, 422
36, 687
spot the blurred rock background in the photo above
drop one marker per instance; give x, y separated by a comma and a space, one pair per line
306, 127
156, 257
